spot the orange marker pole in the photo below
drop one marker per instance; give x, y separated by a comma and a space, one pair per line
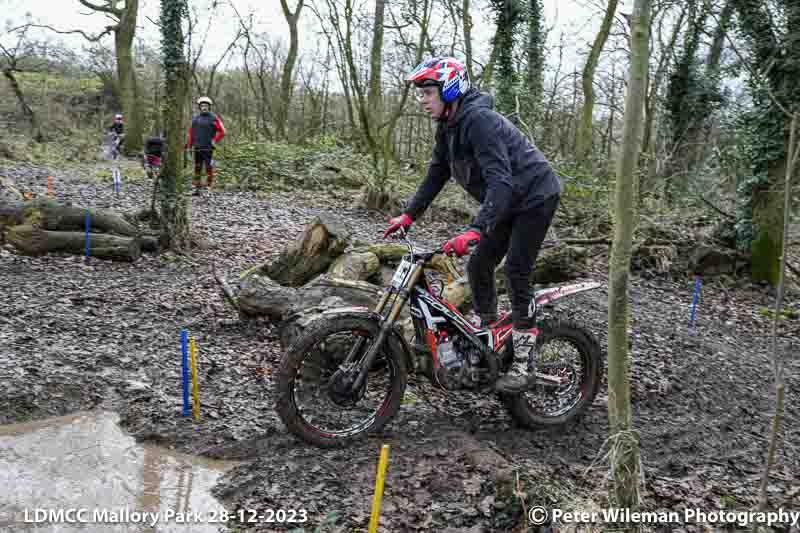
50, 186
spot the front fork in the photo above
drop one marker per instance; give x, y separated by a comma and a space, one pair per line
386, 325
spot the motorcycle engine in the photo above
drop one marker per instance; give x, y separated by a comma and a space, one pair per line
459, 362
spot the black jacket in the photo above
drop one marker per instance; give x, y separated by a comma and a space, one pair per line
491, 159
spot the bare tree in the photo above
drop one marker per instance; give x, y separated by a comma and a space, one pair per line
623, 441
288, 67
18, 58
376, 130
584, 140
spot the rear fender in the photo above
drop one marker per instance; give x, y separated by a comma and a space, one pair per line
396, 338
551, 294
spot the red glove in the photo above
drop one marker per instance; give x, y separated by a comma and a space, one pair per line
460, 245
403, 221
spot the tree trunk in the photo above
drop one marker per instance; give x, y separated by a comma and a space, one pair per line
33, 240
508, 19
687, 110
702, 128
288, 68
126, 74
534, 85
777, 57
487, 75
467, 22
768, 225
374, 95
654, 87
584, 138
623, 440
175, 207
23, 103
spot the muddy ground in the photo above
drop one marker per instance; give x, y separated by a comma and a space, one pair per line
75, 336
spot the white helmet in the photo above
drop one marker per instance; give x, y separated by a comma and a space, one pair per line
204, 100
118, 116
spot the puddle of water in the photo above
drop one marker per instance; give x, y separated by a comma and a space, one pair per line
86, 463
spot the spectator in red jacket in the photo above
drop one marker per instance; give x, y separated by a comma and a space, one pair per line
204, 134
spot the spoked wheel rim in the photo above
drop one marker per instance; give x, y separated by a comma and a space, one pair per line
563, 358
321, 403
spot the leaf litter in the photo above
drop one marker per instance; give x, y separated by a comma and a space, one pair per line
77, 336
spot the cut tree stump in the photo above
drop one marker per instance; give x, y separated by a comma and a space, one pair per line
32, 240
312, 253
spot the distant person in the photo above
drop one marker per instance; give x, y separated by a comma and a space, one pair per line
153, 152
204, 134
117, 131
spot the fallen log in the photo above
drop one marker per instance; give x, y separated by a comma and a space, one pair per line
32, 240
260, 295
355, 266
68, 218
55, 217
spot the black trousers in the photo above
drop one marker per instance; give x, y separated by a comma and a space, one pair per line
520, 236
204, 156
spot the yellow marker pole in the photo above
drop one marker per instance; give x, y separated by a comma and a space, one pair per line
193, 354
376, 500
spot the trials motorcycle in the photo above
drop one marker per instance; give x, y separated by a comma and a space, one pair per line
346, 374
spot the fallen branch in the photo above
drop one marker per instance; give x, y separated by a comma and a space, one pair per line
715, 208
227, 292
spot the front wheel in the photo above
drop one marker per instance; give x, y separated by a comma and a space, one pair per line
570, 352
314, 401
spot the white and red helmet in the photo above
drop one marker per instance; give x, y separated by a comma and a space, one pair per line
448, 73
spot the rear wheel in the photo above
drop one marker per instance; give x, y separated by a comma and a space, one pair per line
314, 401
571, 353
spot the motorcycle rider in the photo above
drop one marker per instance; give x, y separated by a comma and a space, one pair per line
204, 134
518, 190
117, 130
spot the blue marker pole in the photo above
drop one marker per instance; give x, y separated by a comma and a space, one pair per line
185, 369
88, 227
694, 303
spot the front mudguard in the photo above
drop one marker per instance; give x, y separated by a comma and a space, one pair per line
396, 338
551, 294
